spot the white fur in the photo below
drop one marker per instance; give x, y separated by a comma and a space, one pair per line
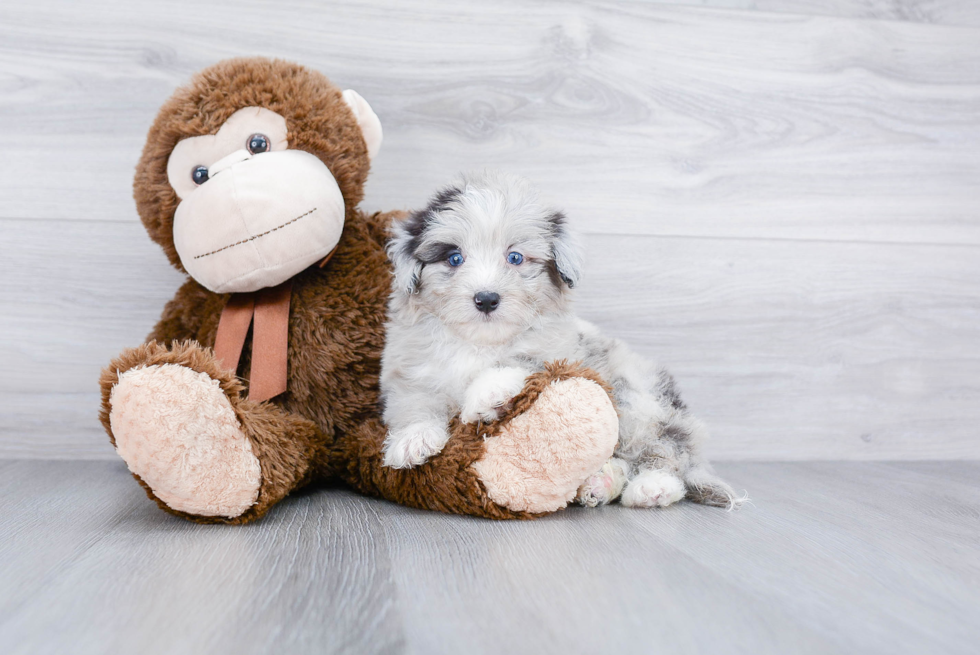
443, 356
653, 488
491, 391
414, 444
605, 485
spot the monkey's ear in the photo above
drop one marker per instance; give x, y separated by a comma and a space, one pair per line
407, 267
366, 119
566, 250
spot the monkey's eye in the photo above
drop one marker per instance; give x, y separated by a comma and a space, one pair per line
200, 175
258, 143
455, 259
515, 258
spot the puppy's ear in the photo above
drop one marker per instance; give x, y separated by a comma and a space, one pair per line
565, 250
401, 251
407, 234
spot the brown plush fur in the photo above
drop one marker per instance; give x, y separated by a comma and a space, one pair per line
317, 118
286, 462
327, 424
446, 483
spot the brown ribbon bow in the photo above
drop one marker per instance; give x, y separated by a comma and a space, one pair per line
270, 308
270, 336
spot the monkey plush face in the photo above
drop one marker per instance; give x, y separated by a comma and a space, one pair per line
263, 161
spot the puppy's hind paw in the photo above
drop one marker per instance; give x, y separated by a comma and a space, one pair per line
414, 445
653, 488
604, 486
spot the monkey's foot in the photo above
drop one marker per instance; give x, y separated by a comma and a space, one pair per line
177, 432
539, 458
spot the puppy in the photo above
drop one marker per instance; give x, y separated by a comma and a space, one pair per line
481, 299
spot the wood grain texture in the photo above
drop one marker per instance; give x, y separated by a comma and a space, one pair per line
639, 117
828, 557
804, 350
940, 12
780, 196
788, 349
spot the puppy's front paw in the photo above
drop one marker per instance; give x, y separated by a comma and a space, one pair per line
413, 445
653, 488
490, 393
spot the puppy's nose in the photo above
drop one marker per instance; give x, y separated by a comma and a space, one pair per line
486, 301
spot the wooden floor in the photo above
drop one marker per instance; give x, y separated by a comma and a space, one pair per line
828, 557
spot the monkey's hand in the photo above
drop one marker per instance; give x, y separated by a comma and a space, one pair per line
491, 392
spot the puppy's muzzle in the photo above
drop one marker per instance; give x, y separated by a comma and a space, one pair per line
486, 301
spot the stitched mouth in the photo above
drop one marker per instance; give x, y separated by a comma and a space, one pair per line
257, 236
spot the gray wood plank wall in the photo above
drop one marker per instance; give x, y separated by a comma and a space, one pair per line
780, 198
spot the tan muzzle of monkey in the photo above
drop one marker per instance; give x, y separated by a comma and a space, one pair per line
258, 220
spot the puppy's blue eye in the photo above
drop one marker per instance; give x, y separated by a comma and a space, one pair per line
200, 175
515, 258
455, 259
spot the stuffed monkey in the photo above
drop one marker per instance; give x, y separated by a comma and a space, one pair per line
262, 374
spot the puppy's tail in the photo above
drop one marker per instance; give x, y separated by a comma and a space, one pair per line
705, 487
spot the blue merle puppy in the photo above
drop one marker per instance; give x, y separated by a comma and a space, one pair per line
482, 297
